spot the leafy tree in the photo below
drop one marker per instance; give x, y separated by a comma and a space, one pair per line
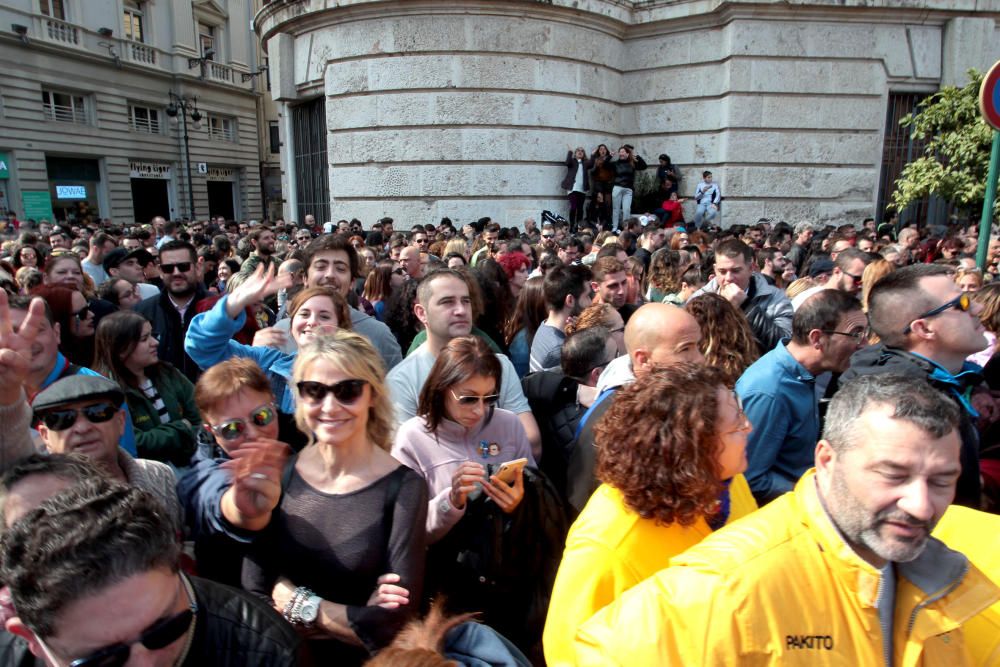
956, 152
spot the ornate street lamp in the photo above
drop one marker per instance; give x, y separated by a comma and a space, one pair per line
184, 107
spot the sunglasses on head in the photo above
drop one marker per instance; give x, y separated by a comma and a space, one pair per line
489, 399
347, 392
60, 420
183, 267
159, 635
962, 302
234, 429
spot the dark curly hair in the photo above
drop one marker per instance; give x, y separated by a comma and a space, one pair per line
657, 444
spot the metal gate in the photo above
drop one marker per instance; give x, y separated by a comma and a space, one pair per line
311, 166
898, 150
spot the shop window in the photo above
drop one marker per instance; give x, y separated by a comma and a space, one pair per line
144, 119
64, 107
221, 128
54, 8
133, 21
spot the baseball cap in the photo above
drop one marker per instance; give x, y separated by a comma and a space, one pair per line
116, 257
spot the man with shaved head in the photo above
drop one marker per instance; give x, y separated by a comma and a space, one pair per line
657, 335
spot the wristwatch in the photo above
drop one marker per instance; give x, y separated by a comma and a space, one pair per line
444, 506
309, 610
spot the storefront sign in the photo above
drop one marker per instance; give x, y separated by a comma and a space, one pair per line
149, 170
37, 205
221, 173
71, 192
4, 166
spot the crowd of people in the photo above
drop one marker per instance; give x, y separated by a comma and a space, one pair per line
613, 440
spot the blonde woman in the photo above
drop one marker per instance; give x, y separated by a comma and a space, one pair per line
343, 557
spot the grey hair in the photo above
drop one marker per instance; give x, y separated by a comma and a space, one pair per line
804, 226
913, 400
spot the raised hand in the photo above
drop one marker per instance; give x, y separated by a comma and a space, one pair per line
261, 284
15, 347
257, 468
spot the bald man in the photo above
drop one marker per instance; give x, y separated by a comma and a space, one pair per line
657, 335
409, 261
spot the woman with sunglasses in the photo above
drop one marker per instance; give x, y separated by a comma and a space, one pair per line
235, 479
459, 438
75, 318
160, 398
671, 451
343, 556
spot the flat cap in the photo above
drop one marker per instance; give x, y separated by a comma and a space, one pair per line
76, 388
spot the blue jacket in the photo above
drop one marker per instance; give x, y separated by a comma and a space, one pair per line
779, 398
219, 546
209, 341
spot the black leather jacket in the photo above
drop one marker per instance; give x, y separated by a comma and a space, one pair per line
238, 629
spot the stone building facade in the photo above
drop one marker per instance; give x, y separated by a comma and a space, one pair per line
467, 108
83, 109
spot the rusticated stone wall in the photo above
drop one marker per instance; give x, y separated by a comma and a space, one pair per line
467, 109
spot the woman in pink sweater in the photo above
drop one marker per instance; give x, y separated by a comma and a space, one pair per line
459, 438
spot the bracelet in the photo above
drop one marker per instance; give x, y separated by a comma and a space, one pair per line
294, 603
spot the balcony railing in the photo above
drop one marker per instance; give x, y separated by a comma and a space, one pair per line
66, 114
60, 31
139, 53
217, 72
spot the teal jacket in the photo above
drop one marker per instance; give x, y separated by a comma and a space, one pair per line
175, 441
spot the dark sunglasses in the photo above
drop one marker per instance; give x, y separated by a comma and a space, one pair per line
183, 267
60, 420
81, 314
234, 429
161, 634
962, 302
347, 392
489, 399
548, 236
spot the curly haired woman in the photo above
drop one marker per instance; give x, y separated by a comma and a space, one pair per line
726, 337
671, 450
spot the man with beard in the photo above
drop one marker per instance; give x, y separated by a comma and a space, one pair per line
445, 308
610, 285
262, 241
567, 293
171, 311
843, 570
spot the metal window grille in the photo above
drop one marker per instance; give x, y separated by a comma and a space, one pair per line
311, 166
64, 107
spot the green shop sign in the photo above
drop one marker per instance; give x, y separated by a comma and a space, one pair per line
37, 205
4, 166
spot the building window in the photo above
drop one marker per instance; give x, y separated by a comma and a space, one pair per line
221, 128
64, 107
144, 119
206, 37
132, 19
54, 8
275, 136
308, 145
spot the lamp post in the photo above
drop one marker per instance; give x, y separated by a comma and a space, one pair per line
184, 106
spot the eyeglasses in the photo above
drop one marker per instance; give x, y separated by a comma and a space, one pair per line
60, 420
347, 392
741, 417
420, 241
159, 635
489, 399
548, 236
853, 277
183, 267
234, 429
962, 302
858, 335
81, 314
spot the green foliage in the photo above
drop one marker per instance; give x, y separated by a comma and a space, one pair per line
956, 156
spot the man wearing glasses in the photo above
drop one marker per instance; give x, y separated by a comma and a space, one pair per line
779, 390
848, 268
171, 311
928, 327
138, 608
